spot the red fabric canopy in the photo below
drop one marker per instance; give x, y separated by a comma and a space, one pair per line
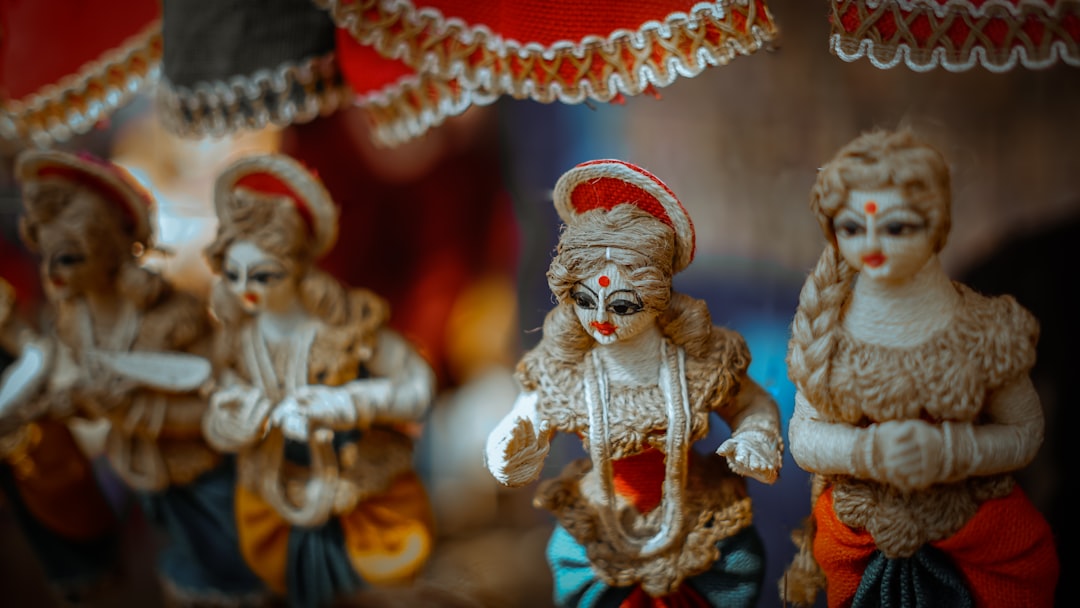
412, 64
957, 34
65, 65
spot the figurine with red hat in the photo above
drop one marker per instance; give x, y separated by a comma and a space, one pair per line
316, 395
133, 351
635, 369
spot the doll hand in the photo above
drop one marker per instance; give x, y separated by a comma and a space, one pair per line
292, 418
331, 407
910, 453
515, 455
754, 453
235, 417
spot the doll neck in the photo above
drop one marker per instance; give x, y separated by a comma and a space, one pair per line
634, 361
903, 313
276, 326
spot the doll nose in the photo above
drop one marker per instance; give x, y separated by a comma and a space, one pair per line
872, 240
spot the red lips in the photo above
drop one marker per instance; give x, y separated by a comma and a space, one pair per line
604, 328
874, 260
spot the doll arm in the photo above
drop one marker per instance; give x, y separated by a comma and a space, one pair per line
1007, 442
755, 448
401, 390
822, 447
518, 445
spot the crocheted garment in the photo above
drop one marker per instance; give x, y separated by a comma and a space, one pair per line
413, 64
715, 502
989, 343
50, 92
712, 382
957, 34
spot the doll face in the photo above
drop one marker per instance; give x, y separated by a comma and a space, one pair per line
881, 236
609, 308
68, 268
261, 282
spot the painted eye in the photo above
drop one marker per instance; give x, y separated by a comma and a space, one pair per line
901, 228
849, 228
265, 277
624, 307
231, 276
70, 259
583, 300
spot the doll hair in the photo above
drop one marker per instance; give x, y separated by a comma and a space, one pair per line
635, 241
101, 230
272, 224
875, 160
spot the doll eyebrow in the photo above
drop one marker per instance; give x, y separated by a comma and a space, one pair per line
586, 288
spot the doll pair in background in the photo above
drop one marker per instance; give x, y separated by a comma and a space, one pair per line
263, 431
914, 407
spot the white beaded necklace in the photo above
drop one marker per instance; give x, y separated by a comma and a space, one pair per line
672, 375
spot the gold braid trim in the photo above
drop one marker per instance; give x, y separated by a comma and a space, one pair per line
458, 65
290, 93
79, 101
957, 34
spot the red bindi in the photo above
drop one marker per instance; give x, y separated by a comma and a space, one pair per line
870, 207
604, 281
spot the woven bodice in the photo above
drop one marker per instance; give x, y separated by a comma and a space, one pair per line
637, 418
989, 343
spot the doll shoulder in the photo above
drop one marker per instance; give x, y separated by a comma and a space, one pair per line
1003, 332
339, 351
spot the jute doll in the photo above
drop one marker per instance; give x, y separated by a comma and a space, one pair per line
315, 390
914, 404
133, 351
635, 369
43, 472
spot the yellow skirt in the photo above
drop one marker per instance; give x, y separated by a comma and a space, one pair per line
388, 537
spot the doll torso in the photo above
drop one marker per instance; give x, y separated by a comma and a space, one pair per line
155, 438
990, 342
367, 461
714, 503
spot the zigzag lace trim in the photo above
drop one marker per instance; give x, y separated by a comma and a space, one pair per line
458, 65
290, 93
76, 103
957, 35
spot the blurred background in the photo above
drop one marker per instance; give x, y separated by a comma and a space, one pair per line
457, 228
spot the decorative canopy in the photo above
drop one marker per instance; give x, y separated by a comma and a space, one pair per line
67, 65
957, 34
413, 64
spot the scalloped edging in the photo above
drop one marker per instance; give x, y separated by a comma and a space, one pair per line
290, 93
76, 103
1019, 48
457, 65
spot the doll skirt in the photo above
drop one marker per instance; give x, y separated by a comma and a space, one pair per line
63, 511
1003, 556
385, 539
733, 580
201, 559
